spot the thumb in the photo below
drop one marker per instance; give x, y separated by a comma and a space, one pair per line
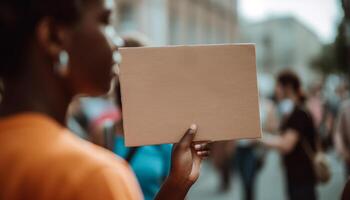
187, 139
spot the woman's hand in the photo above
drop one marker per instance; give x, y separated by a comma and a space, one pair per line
185, 166
187, 157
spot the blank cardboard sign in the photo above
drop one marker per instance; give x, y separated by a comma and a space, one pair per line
166, 89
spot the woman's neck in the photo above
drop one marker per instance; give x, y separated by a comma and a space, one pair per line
35, 95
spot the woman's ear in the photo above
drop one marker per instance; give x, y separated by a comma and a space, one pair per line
51, 37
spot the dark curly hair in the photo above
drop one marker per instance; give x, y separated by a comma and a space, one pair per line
18, 20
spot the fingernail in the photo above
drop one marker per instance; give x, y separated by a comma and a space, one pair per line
197, 146
193, 128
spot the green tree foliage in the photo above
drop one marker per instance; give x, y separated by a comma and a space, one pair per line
335, 56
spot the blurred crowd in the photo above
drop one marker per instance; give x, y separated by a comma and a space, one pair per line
302, 122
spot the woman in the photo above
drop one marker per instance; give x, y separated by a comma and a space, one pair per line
297, 133
51, 51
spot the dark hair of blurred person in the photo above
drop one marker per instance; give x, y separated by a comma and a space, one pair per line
296, 131
51, 51
135, 40
289, 86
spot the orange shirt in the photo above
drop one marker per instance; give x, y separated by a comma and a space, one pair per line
41, 160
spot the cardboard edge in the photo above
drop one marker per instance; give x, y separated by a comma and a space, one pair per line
194, 45
257, 89
245, 138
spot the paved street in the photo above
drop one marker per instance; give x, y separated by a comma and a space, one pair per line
270, 182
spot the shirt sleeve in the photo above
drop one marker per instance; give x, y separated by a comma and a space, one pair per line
110, 184
297, 122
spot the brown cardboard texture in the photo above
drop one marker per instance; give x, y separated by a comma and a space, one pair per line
166, 89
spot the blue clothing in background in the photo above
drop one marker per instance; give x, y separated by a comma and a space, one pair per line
151, 165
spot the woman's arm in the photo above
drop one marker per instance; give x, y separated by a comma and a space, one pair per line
272, 122
185, 166
283, 143
173, 189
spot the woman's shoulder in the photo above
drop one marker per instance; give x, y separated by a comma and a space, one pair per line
88, 153
84, 160
87, 163
50, 154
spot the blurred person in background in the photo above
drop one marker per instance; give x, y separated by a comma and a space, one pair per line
87, 114
248, 160
100, 114
249, 155
296, 131
335, 92
151, 164
315, 104
342, 134
76, 121
323, 114
222, 157
52, 51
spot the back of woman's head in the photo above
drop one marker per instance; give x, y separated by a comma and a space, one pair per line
18, 21
135, 40
290, 80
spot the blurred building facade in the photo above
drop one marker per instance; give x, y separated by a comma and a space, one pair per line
179, 21
281, 43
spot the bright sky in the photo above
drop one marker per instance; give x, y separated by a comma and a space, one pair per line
321, 16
